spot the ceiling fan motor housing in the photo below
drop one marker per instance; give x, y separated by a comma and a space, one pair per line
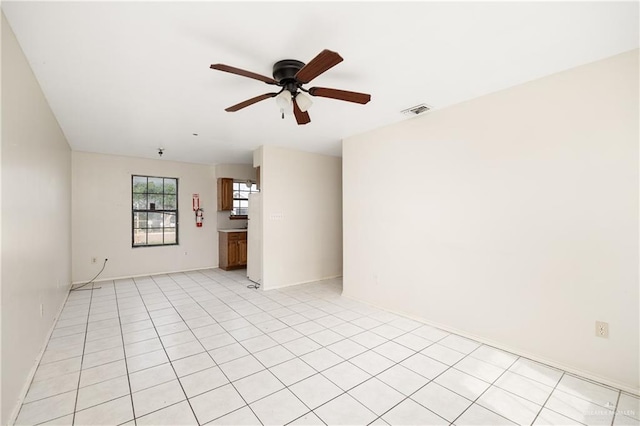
284, 71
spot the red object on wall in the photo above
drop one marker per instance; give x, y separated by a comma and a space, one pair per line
195, 201
199, 217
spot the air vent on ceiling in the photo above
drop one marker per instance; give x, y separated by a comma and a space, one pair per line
417, 110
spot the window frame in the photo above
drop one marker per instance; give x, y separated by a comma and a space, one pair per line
233, 191
147, 211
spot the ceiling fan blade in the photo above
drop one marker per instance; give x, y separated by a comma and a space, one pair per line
244, 73
301, 117
325, 60
341, 95
250, 102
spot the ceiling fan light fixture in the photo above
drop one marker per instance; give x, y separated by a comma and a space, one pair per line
285, 103
304, 102
283, 100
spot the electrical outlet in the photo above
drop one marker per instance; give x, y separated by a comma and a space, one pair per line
602, 329
94, 259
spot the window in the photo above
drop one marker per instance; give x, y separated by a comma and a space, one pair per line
154, 211
241, 191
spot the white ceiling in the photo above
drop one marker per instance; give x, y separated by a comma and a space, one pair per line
127, 77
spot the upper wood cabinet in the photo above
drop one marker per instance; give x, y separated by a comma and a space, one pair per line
225, 194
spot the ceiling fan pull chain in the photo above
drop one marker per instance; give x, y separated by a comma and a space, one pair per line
282, 112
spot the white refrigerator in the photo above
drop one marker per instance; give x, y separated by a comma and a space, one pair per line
254, 239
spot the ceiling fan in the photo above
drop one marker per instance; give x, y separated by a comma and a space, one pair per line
291, 75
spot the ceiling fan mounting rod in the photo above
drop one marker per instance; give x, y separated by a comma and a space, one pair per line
292, 87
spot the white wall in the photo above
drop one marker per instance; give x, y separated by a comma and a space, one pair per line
102, 217
241, 172
36, 221
302, 216
512, 218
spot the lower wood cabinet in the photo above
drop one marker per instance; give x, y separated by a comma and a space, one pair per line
232, 250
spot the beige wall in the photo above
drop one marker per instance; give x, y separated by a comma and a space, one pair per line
236, 171
512, 218
302, 216
102, 217
36, 221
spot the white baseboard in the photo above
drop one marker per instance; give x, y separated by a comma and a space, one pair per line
151, 274
332, 277
23, 393
552, 363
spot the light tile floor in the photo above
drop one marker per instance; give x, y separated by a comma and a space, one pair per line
201, 348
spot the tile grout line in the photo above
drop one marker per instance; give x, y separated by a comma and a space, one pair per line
238, 342
343, 360
555, 387
567, 373
615, 410
287, 326
354, 365
100, 365
75, 406
103, 381
368, 349
505, 371
395, 363
371, 349
547, 400
265, 368
265, 349
207, 352
434, 378
491, 384
468, 355
190, 292
165, 352
475, 401
174, 309
46, 347
124, 349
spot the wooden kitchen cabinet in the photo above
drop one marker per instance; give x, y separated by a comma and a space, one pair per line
232, 250
242, 250
225, 194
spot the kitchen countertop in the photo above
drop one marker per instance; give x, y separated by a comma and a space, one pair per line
233, 230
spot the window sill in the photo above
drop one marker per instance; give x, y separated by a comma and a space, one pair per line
154, 245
